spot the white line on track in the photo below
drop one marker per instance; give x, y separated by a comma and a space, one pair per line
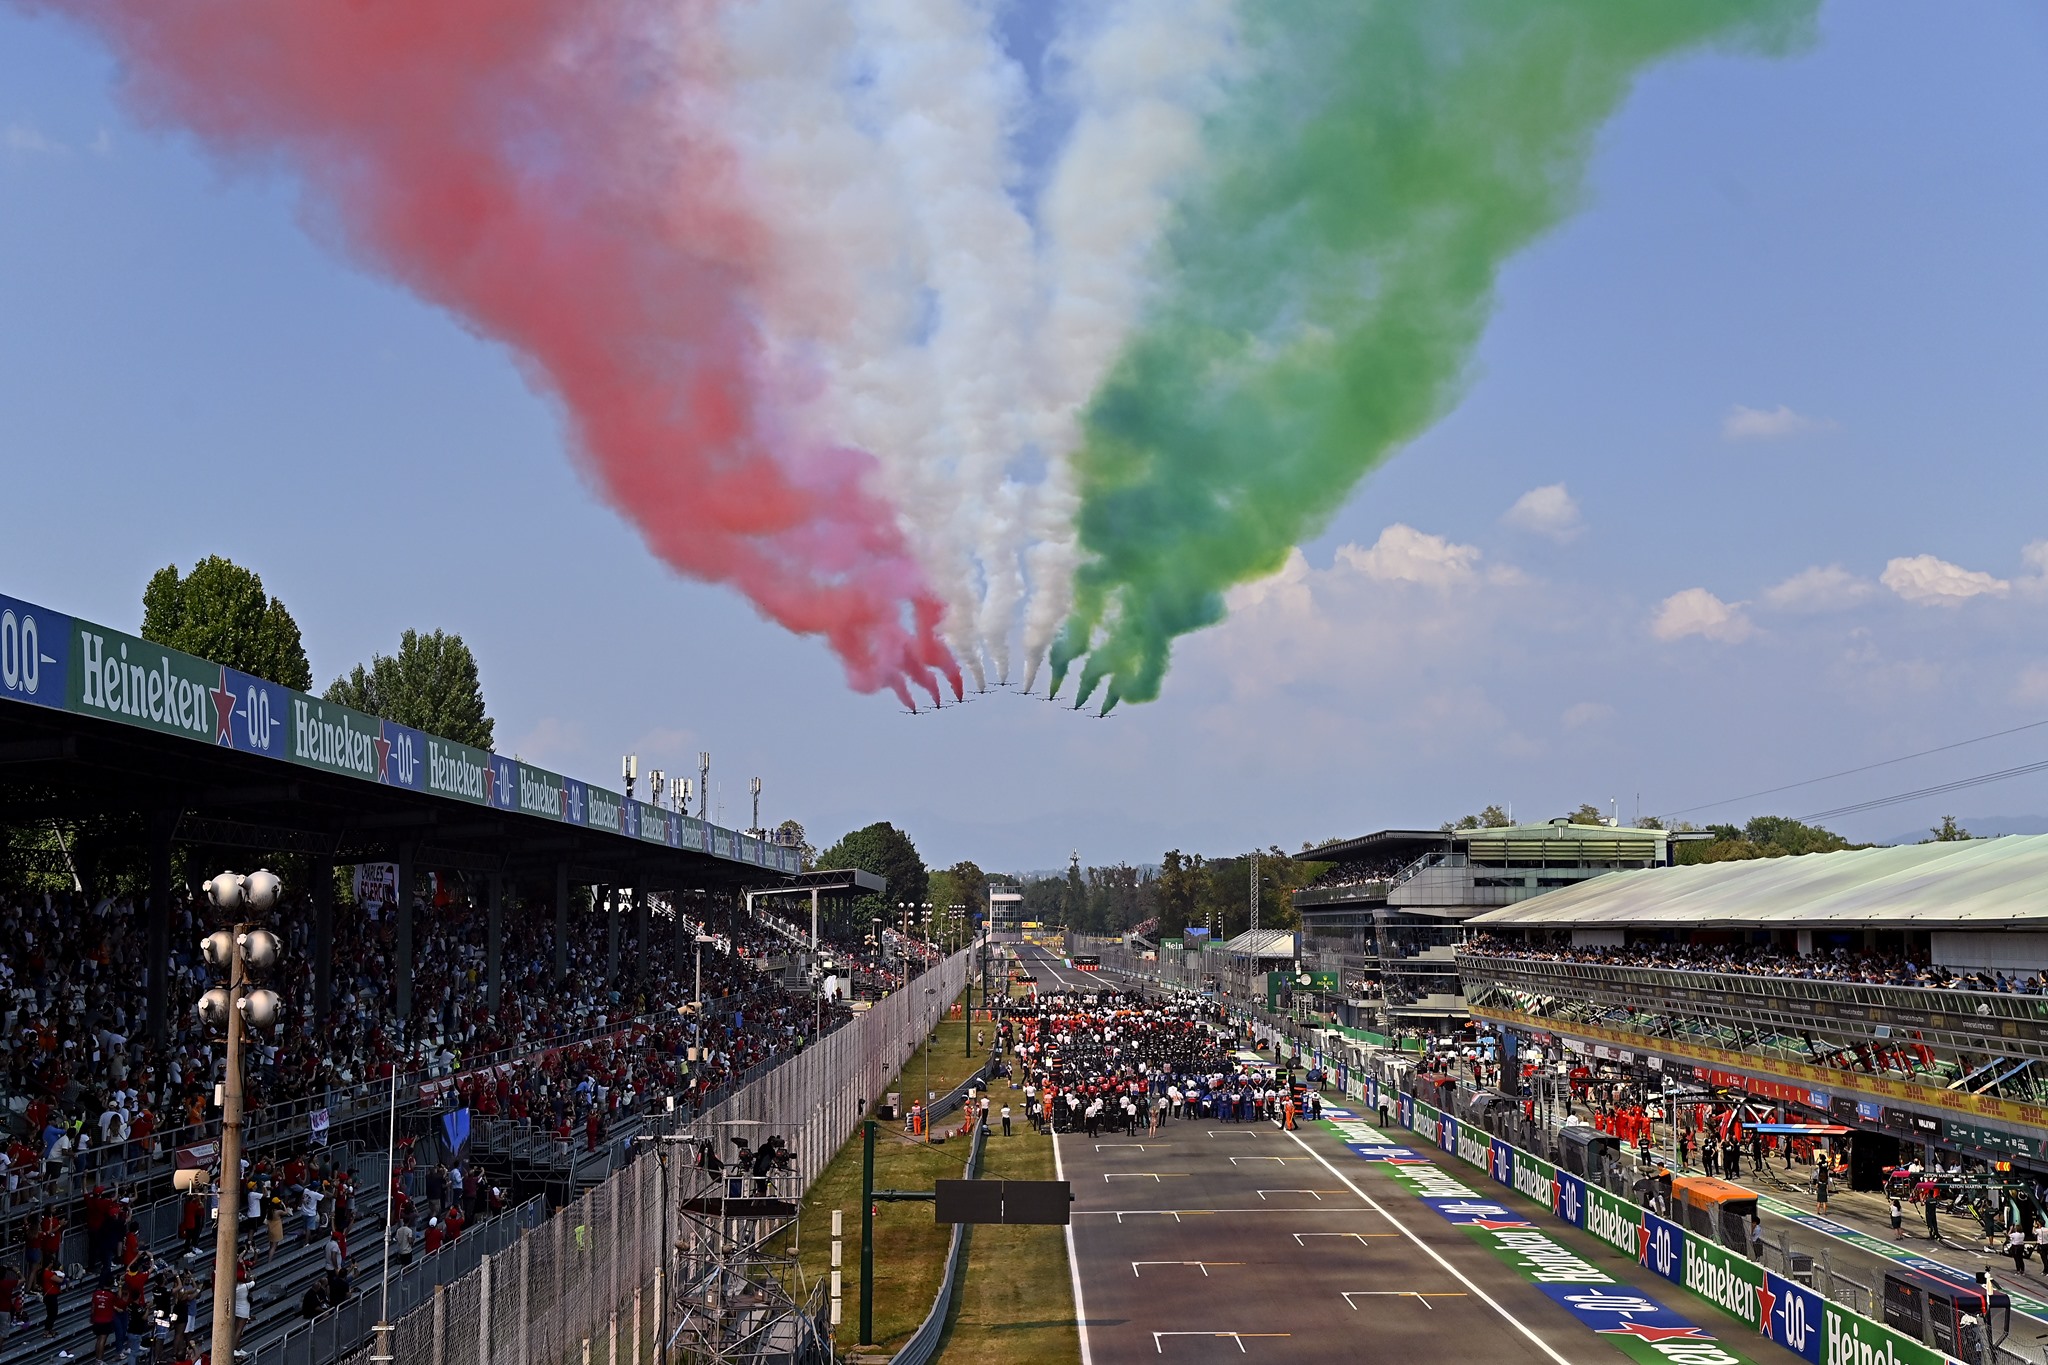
1416, 1294
1059, 1172
1462, 1278
1238, 1337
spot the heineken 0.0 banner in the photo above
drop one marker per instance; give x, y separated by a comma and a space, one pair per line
52, 660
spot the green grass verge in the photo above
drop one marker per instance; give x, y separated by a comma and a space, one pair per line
910, 1249
1016, 1305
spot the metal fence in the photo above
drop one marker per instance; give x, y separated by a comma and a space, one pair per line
587, 1284
339, 1330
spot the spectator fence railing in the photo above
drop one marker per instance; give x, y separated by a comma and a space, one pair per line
593, 1277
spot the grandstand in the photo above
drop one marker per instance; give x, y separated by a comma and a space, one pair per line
1897, 991
552, 963
1388, 918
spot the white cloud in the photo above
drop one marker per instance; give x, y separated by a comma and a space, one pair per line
1403, 554
1761, 424
24, 140
1698, 612
2032, 687
1585, 713
1406, 605
1286, 592
1936, 582
1548, 511
1819, 589
551, 742
2035, 556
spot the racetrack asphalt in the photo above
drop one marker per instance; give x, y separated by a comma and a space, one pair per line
1215, 1241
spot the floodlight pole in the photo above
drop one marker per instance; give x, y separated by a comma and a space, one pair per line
225, 1240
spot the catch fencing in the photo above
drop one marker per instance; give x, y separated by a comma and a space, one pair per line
588, 1284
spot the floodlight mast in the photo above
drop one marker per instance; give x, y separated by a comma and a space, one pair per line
240, 951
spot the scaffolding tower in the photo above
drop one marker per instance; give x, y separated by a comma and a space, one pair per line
741, 1296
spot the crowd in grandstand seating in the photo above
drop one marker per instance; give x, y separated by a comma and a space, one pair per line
89, 1100
1879, 969
1354, 874
86, 1095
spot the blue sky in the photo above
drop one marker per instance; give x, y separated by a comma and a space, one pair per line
1797, 326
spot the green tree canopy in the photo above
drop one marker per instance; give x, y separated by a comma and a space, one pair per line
970, 888
1948, 832
791, 835
1180, 878
1588, 814
431, 684
220, 612
1493, 817
1767, 836
886, 851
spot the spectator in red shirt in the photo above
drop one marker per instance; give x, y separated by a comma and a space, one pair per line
434, 1235
105, 1304
50, 1284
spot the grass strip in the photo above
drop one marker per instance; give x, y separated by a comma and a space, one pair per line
910, 1248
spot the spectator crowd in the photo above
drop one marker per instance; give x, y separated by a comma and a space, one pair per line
91, 1103
1745, 959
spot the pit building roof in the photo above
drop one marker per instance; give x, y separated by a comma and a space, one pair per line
1978, 884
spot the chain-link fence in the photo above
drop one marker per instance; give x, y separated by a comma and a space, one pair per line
586, 1286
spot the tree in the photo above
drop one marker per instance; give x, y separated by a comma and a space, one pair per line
431, 685
886, 851
1044, 899
1588, 814
1948, 832
220, 612
790, 834
1179, 877
970, 888
1493, 817
1075, 901
1779, 836
1766, 836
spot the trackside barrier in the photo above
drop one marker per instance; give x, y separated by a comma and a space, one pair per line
1767, 1303
924, 1342
592, 1282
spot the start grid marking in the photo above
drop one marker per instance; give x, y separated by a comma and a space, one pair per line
1238, 1337
1631, 1319
1422, 1296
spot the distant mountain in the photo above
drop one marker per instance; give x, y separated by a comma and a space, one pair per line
1986, 827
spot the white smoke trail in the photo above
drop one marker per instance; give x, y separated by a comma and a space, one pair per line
875, 143
1142, 76
953, 98
910, 312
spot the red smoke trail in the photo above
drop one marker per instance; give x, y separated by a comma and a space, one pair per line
530, 165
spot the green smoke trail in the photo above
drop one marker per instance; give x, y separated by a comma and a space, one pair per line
1327, 283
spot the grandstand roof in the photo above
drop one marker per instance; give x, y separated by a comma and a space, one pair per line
1262, 943
95, 722
1553, 839
1401, 844
1980, 884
